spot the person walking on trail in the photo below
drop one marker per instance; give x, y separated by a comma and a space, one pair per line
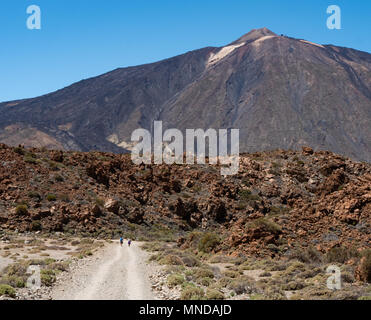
121, 241
129, 242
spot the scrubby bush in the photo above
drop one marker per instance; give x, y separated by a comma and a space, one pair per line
347, 277
231, 274
224, 282
220, 259
192, 293
175, 280
14, 281
208, 242
99, 202
266, 224
204, 281
47, 277
30, 158
190, 261
308, 255
21, 210
244, 194
59, 178
7, 290
59, 266
203, 273
242, 285
365, 266
212, 294
295, 268
171, 259
51, 197
21, 151
34, 194
293, 285
36, 226
341, 254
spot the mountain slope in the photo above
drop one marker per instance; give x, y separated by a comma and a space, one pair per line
279, 91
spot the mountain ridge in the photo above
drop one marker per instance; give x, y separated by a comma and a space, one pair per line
279, 91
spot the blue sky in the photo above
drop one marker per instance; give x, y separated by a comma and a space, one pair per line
84, 38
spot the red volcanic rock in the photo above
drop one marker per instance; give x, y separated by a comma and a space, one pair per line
318, 200
307, 151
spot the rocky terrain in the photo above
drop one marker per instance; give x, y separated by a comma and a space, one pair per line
284, 214
279, 91
279, 197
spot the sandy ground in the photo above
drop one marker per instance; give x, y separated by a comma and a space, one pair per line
11, 252
115, 273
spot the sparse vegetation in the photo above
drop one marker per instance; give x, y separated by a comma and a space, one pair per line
51, 197
365, 266
48, 277
266, 224
208, 242
191, 292
175, 280
341, 254
21, 209
6, 290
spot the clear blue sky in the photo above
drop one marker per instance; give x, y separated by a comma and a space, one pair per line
84, 38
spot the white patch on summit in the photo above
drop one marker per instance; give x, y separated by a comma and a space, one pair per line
257, 41
222, 53
312, 43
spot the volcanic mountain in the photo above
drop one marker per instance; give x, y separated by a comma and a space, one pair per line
279, 91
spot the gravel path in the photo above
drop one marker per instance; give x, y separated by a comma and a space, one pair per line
115, 273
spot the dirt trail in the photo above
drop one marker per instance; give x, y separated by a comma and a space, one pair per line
116, 273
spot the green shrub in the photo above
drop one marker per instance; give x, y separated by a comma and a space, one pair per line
204, 281
36, 226
266, 224
58, 266
34, 194
365, 266
99, 202
212, 294
244, 194
202, 273
7, 290
19, 150
21, 210
175, 280
224, 282
51, 197
308, 255
47, 277
231, 274
208, 242
293, 285
295, 268
192, 293
341, 254
347, 277
190, 260
171, 259
242, 285
14, 281
30, 158
59, 178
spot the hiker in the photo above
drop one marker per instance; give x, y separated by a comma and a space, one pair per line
121, 241
129, 242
